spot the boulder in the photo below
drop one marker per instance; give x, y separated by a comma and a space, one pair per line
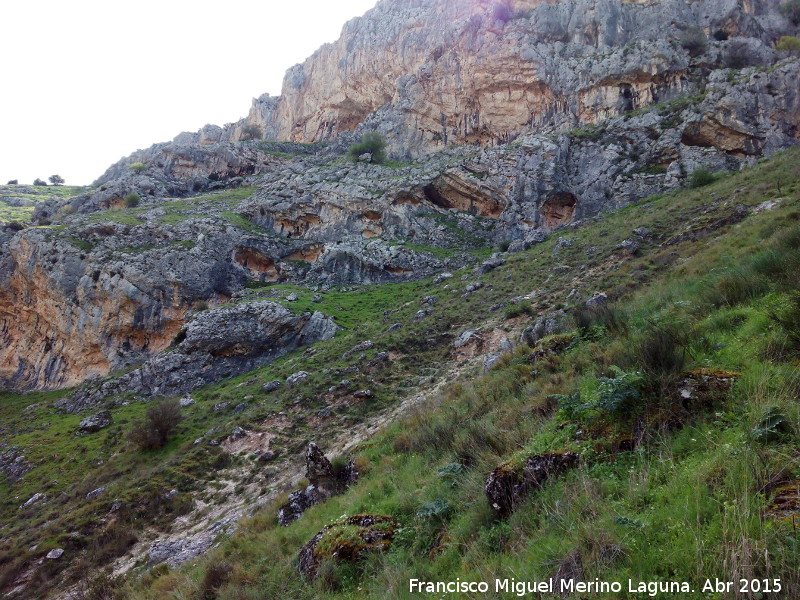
271, 386
466, 337
324, 482
55, 554
512, 481
296, 379
597, 301
96, 493
552, 323
186, 401
35, 499
95, 422
347, 540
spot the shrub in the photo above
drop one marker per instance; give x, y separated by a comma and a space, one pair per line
251, 131
56, 179
617, 395
701, 177
12, 182
660, 353
693, 40
791, 10
38, 181
138, 167
789, 43
735, 287
594, 322
155, 429
736, 55
217, 574
372, 143
132, 200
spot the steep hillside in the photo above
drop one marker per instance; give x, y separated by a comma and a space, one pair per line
526, 272
698, 347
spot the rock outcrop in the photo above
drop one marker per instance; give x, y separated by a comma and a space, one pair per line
324, 482
218, 343
510, 482
429, 74
347, 540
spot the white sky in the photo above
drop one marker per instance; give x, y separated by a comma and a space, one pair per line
85, 82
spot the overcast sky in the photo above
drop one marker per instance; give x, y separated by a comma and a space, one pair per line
86, 82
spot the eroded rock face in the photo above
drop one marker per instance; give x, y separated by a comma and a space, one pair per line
509, 483
361, 534
434, 73
219, 343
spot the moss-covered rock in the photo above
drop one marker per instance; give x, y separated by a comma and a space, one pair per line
511, 481
347, 540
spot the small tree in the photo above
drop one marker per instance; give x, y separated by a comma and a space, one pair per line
251, 131
693, 40
132, 200
138, 167
701, 177
38, 181
372, 143
789, 44
159, 423
791, 10
12, 182
56, 179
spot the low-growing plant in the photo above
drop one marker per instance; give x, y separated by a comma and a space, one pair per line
789, 44
372, 143
791, 10
137, 167
701, 177
160, 422
132, 200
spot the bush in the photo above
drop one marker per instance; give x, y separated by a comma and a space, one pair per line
56, 179
217, 574
132, 200
791, 10
12, 182
736, 55
701, 177
155, 429
252, 132
372, 143
660, 353
693, 40
138, 167
38, 181
594, 322
789, 43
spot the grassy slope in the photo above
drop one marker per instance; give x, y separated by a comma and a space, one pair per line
618, 515
33, 194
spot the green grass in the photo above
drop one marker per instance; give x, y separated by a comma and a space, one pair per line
687, 502
34, 194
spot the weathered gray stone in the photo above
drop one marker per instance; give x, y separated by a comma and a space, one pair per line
95, 422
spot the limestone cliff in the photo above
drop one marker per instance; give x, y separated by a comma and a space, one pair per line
101, 287
430, 73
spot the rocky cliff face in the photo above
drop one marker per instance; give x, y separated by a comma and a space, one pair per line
102, 286
428, 74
